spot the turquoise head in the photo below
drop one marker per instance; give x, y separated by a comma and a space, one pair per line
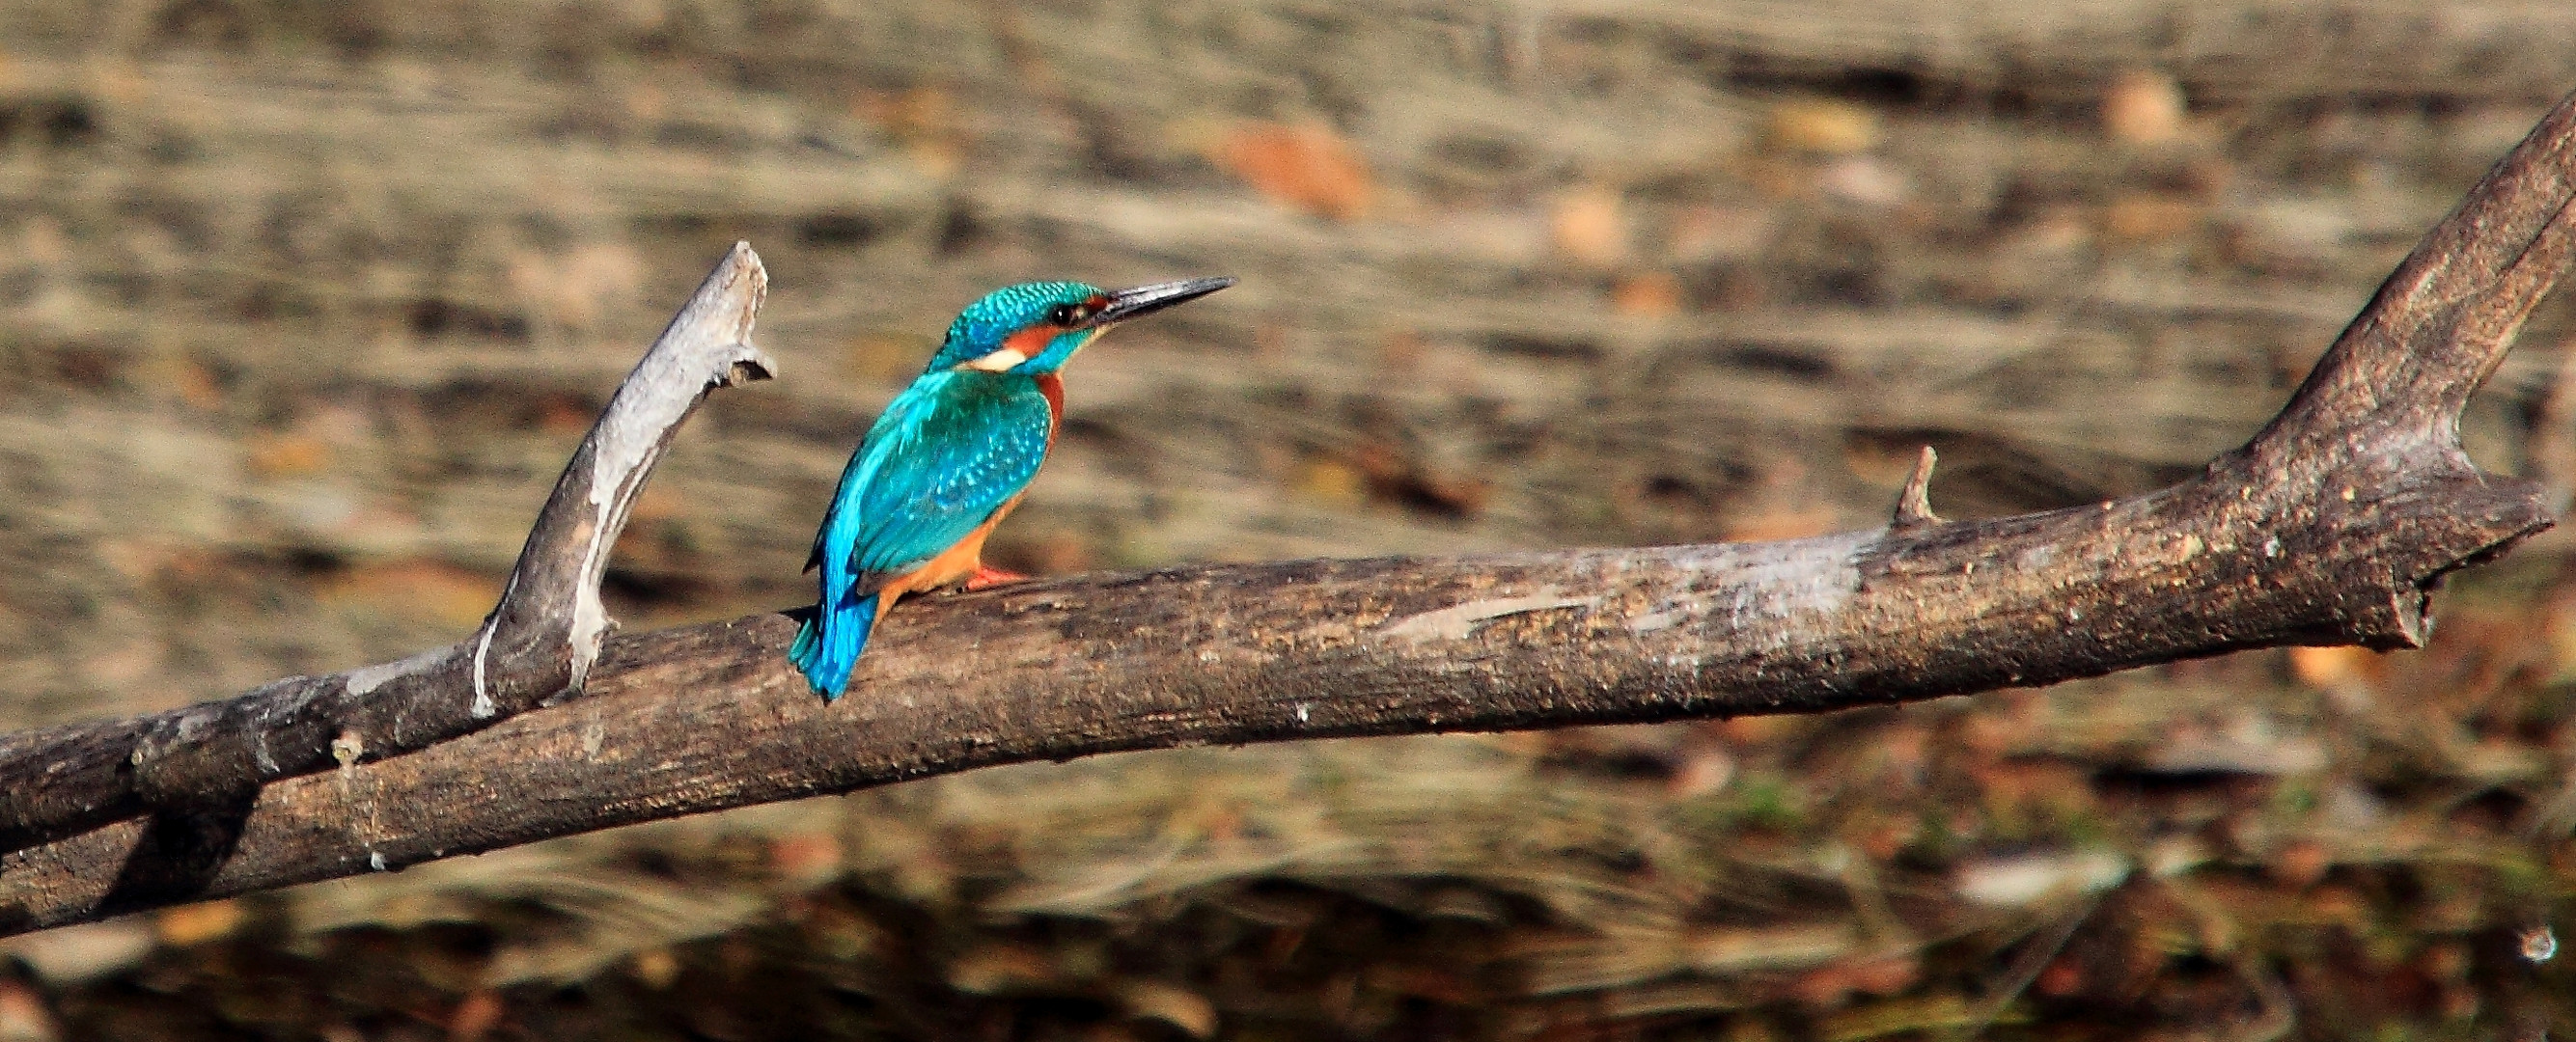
1035, 327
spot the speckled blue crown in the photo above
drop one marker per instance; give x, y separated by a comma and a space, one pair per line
980, 329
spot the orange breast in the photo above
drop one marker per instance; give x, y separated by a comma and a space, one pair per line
963, 559
952, 565
1052, 386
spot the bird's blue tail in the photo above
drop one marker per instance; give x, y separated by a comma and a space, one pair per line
830, 643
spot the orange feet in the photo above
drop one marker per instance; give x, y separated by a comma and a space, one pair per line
984, 577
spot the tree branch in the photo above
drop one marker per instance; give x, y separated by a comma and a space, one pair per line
2332, 526
537, 645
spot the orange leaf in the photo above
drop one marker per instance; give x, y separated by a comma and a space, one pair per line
1653, 294
2330, 668
1823, 126
1589, 226
288, 455
197, 923
416, 588
2143, 108
2151, 216
475, 1017
1305, 166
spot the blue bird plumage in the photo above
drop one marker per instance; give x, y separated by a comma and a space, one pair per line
950, 456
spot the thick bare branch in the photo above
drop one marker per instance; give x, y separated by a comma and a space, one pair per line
537, 645
2331, 527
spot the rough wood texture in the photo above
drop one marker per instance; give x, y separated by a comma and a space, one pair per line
537, 645
2332, 526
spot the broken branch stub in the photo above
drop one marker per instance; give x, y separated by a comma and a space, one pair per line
2331, 526
1914, 501
537, 645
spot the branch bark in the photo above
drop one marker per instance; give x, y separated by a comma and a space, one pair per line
2333, 525
537, 645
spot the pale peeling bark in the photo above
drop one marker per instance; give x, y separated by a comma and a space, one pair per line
2332, 526
537, 645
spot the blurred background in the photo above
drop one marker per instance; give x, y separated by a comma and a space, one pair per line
304, 304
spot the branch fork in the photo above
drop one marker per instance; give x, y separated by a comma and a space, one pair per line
537, 646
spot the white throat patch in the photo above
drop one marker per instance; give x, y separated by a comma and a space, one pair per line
1001, 361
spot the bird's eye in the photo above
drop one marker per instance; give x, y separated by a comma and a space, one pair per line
1067, 314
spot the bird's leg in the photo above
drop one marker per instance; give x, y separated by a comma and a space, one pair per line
985, 576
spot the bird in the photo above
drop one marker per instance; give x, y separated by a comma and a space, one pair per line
950, 457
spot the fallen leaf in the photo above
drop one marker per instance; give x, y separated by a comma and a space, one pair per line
1402, 352
273, 455
1329, 480
1825, 126
184, 379
475, 1017
2301, 864
1653, 295
1306, 166
655, 968
1588, 226
806, 860
2151, 216
197, 923
1701, 773
1829, 986
916, 113
2063, 977
2328, 669
418, 588
2143, 108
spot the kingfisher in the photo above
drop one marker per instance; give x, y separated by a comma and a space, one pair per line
951, 455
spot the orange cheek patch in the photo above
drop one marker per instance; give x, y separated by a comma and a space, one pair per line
1032, 341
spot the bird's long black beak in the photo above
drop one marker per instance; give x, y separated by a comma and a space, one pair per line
1145, 300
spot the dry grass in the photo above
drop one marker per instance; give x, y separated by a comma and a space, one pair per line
305, 302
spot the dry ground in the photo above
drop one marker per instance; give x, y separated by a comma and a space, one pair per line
304, 304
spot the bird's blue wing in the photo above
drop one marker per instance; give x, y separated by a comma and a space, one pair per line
946, 454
